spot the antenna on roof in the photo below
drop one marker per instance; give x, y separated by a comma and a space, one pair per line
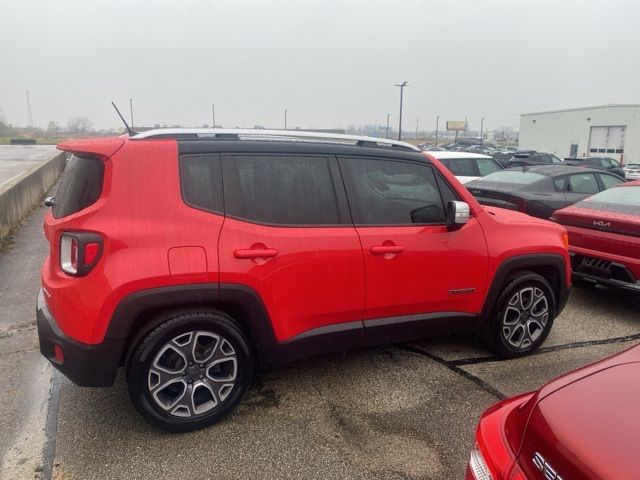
129, 131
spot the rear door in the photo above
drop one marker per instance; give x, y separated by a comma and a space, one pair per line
579, 186
287, 235
420, 277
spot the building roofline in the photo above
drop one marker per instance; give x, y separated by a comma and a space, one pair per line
582, 108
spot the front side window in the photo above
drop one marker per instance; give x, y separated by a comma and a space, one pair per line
583, 183
609, 180
280, 189
487, 166
388, 192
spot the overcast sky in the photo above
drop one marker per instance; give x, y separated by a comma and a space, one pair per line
330, 64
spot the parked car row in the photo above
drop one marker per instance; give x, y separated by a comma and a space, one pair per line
583, 425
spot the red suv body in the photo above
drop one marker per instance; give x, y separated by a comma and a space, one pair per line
581, 426
188, 258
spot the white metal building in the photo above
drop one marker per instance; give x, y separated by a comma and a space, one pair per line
605, 130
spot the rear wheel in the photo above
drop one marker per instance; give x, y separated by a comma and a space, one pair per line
523, 316
189, 371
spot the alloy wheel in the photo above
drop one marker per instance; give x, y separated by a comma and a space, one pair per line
193, 373
525, 317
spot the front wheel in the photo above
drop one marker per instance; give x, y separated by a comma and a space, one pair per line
189, 371
523, 316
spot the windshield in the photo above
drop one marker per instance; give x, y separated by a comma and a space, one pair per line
513, 176
627, 196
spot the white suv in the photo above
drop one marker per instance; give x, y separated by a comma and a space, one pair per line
467, 166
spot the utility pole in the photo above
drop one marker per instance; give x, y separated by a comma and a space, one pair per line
482, 129
417, 120
437, 122
131, 110
213, 113
285, 118
388, 115
29, 114
401, 85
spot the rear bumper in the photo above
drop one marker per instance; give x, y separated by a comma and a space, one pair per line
85, 365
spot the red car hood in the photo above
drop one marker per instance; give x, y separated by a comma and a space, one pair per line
586, 425
600, 216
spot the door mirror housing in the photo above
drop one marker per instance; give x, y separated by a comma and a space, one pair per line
457, 214
49, 201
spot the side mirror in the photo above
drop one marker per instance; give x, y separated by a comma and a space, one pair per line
49, 201
457, 214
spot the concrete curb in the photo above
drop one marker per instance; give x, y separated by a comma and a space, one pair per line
20, 195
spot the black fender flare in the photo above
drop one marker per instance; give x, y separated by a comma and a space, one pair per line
533, 262
122, 328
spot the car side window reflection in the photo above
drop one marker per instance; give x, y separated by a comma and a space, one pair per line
583, 183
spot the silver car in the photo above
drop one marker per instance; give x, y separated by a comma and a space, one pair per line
632, 171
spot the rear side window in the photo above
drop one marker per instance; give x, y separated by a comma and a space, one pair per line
201, 182
80, 185
387, 192
280, 189
463, 167
583, 183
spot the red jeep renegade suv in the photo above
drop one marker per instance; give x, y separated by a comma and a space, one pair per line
192, 256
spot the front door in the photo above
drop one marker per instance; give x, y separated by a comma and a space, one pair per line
420, 277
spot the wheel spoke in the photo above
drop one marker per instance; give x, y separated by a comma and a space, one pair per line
526, 298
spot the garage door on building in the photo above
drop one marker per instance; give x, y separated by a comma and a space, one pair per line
607, 142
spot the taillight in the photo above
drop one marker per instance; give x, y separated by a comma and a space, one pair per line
478, 467
79, 252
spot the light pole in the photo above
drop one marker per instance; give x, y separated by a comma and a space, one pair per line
213, 113
437, 122
285, 118
131, 110
388, 116
401, 85
482, 128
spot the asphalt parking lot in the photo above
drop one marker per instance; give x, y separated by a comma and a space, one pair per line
397, 412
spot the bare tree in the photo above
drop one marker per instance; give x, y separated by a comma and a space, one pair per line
52, 128
80, 125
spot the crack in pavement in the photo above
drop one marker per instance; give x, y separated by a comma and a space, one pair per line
469, 376
551, 348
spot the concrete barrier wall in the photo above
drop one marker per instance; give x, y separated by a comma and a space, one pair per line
18, 197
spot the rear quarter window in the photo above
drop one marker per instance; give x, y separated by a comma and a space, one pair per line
201, 182
80, 185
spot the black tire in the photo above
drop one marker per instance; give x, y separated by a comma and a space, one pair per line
504, 329
157, 359
582, 282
